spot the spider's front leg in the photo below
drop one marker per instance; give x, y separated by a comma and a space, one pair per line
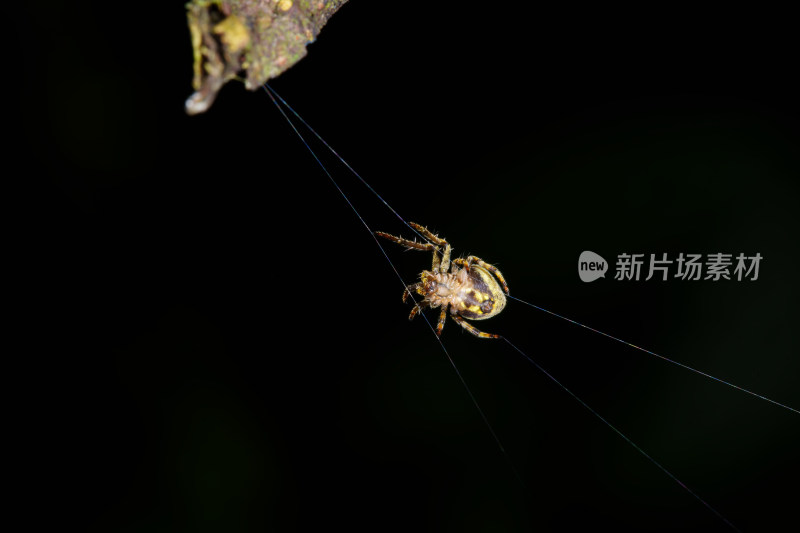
439, 265
414, 245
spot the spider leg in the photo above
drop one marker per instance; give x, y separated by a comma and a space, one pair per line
435, 239
414, 245
480, 262
472, 329
417, 308
439, 265
411, 288
442, 318
445, 264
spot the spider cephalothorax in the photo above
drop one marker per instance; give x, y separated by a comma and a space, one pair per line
473, 292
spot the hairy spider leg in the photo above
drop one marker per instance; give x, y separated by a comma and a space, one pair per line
418, 308
472, 329
409, 290
428, 234
481, 263
438, 265
442, 265
442, 318
414, 245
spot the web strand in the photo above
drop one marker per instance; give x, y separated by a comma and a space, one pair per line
273, 94
618, 432
667, 359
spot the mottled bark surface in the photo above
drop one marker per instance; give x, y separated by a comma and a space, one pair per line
259, 38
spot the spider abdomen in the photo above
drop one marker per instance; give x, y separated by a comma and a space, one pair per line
480, 297
472, 294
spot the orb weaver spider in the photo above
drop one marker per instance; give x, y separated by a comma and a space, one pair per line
471, 292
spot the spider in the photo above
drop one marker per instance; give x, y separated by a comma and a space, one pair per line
472, 292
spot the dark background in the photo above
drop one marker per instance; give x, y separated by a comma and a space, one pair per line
220, 345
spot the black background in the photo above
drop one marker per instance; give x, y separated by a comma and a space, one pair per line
220, 345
